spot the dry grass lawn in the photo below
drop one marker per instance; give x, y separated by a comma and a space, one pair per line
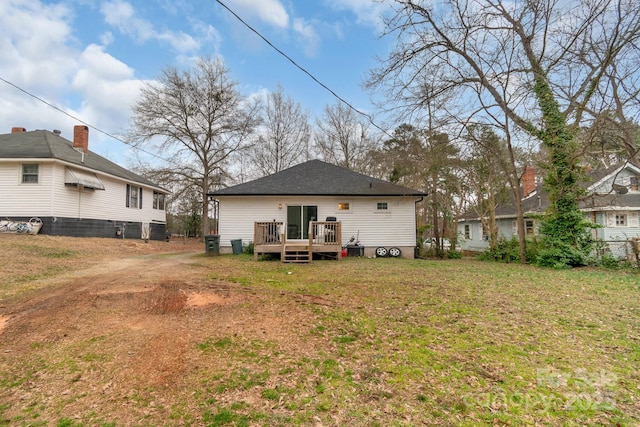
106, 332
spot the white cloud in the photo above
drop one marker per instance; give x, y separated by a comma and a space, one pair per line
367, 12
121, 15
39, 55
310, 37
270, 11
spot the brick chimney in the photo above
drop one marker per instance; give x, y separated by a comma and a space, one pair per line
18, 130
528, 181
81, 137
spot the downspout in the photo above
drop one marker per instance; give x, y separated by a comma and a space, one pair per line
415, 220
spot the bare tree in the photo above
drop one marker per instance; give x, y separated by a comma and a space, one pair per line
342, 138
550, 57
200, 119
283, 140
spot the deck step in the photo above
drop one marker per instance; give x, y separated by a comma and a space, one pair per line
296, 253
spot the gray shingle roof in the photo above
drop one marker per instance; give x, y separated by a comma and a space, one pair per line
43, 144
317, 178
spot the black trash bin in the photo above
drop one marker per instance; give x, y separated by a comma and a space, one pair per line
355, 250
236, 246
212, 244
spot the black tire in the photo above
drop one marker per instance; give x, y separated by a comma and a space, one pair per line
381, 252
395, 252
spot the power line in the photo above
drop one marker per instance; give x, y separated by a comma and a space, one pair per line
295, 64
82, 121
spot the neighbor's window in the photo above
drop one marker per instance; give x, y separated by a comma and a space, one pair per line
485, 232
467, 231
158, 201
382, 206
134, 197
621, 220
633, 183
343, 206
529, 227
30, 174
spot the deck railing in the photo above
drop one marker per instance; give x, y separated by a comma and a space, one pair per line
268, 233
325, 233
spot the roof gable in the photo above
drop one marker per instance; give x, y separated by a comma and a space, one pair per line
317, 178
43, 144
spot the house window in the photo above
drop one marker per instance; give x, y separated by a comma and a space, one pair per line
382, 206
158, 201
29, 174
529, 227
633, 183
343, 206
485, 232
621, 220
134, 197
467, 231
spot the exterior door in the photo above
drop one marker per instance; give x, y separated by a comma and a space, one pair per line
298, 218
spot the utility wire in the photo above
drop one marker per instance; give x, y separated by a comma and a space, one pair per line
82, 121
295, 64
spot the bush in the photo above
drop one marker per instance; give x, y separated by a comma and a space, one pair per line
249, 248
453, 254
504, 251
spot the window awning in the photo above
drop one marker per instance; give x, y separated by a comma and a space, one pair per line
83, 179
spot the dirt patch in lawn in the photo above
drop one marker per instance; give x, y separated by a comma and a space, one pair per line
107, 321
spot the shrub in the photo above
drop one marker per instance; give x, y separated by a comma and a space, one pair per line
249, 248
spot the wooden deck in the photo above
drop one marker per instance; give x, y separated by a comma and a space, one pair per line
325, 237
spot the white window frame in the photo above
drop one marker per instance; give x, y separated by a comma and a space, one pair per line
24, 174
468, 234
134, 202
344, 207
386, 205
622, 219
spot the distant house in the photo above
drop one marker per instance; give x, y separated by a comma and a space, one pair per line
74, 191
612, 202
320, 205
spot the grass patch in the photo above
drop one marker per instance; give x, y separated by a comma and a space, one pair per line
369, 342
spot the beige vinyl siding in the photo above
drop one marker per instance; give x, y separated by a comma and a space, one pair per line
394, 227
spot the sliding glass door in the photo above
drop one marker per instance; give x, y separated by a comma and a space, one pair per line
298, 218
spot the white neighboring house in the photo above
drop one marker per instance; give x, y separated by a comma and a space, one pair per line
612, 202
74, 191
377, 213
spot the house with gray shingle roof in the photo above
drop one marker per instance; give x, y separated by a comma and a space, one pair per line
379, 215
74, 191
612, 202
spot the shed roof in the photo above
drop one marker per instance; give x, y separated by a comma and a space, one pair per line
43, 144
317, 178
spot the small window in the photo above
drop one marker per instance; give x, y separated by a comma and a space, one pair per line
29, 174
485, 232
343, 206
382, 206
467, 231
633, 183
134, 197
529, 227
621, 220
158, 201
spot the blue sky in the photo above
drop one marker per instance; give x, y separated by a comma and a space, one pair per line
90, 57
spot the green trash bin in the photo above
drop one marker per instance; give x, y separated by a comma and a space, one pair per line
212, 244
236, 246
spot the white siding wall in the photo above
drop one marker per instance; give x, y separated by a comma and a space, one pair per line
50, 197
396, 227
17, 199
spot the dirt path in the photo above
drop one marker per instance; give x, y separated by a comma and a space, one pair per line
96, 339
